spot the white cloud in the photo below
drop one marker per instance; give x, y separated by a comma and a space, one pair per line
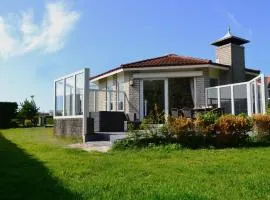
48, 36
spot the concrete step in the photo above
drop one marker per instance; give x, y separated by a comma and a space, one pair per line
106, 136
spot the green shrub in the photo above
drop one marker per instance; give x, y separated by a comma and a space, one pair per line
234, 124
262, 127
206, 131
268, 108
49, 120
28, 123
179, 126
156, 116
205, 123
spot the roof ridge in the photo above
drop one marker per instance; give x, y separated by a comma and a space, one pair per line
148, 59
195, 58
168, 55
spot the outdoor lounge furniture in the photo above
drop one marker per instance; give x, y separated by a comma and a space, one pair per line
187, 112
174, 112
192, 112
135, 123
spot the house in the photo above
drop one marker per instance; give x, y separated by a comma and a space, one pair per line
170, 81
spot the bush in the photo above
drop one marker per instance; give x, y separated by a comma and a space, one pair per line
49, 120
8, 112
262, 126
232, 130
268, 108
205, 123
234, 124
262, 123
207, 130
28, 123
179, 126
156, 116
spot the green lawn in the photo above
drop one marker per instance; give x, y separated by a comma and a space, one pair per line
36, 165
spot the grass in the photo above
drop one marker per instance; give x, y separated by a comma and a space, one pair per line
36, 165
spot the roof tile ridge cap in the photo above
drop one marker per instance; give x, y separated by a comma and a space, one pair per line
195, 58
149, 59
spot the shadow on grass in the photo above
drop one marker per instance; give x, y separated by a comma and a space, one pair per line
24, 177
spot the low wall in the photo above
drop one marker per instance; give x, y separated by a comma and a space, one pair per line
68, 127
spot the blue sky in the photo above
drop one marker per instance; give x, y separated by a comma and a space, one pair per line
42, 40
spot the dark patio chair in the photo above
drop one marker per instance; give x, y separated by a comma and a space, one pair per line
218, 111
175, 112
135, 122
187, 112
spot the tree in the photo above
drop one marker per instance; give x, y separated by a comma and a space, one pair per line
28, 111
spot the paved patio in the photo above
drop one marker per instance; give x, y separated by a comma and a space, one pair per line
101, 146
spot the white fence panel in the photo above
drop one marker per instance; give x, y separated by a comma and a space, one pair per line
247, 97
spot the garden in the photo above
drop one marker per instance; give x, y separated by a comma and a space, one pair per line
207, 130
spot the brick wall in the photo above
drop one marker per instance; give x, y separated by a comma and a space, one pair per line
202, 82
133, 97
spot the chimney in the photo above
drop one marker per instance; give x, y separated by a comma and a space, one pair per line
230, 51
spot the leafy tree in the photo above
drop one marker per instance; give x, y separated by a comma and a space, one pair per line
28, 111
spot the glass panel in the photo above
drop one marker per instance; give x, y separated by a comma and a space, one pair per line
109, 99
79, 94
181, 93
240, 99
153, 95
212, 97
121, 95
225, 99
69, 96
59, 97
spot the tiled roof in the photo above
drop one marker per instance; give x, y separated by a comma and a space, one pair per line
167, 60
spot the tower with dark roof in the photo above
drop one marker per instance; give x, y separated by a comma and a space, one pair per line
230, 51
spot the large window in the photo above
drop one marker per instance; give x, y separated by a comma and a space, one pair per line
225, 99
59, 97
181, 93
153, 95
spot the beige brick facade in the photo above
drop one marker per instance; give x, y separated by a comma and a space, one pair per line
233, 55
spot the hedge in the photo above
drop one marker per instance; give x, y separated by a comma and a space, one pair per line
8, 111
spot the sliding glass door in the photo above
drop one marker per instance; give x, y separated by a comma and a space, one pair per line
153, 92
